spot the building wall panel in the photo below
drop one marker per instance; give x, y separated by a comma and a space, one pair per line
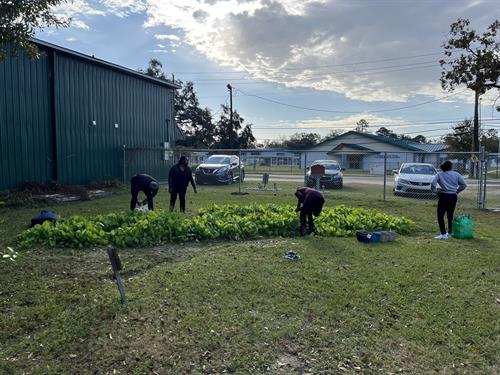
87, 93
25, 121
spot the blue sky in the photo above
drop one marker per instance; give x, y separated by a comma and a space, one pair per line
343, 60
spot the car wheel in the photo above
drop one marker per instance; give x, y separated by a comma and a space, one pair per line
230, 178
242, 176
340, 185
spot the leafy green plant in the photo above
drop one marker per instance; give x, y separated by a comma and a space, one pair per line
233, 222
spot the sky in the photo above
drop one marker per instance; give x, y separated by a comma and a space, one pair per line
295, 65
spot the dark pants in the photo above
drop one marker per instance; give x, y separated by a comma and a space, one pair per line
446, 205
133, 200
182, 199
306, 217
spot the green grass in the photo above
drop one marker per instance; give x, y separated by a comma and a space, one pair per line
413, 306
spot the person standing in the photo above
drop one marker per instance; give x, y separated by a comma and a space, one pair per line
450, 183
148, 185
179, 177
310, 202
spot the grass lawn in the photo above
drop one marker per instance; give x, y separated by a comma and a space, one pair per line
412, 306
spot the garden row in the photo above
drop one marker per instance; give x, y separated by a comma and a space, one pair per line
139, 229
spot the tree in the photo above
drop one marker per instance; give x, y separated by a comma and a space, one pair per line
362, 126
235, 135
419, 139
384, 132
475, 63
460, 140
301, 141
154, 69
332, 134
18, 21
195, 122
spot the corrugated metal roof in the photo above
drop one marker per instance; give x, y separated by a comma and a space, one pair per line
93, 60
407, 145
431, 147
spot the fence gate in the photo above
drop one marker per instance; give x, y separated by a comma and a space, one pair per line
491, 184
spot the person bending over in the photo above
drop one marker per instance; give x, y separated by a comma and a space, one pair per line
450, 183
179, 177
148, 185
310, 202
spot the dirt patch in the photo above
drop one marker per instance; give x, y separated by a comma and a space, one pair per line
32, 193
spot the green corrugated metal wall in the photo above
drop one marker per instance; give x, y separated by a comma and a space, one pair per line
25, 121
84, 92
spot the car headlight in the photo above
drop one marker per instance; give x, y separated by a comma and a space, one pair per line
402, 181
223, 170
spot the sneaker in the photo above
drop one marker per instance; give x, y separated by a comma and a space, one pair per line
441, 237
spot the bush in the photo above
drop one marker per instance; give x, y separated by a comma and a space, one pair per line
233, 222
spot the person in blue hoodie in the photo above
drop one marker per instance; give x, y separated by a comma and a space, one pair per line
450, 183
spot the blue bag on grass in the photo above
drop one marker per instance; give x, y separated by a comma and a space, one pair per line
44, 216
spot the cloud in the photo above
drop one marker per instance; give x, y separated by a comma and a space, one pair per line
123, 8
171, 37
349, 122
325, 45
75, 10
371, 51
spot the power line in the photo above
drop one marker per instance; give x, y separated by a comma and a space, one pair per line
250, 80
349, 125
341, 72
347, 112
318, 66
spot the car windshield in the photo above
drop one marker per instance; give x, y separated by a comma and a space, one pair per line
217, 160
331, 166
418, 169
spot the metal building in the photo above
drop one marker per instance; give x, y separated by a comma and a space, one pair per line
67, 116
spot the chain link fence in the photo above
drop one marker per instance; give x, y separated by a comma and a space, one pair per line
389, 176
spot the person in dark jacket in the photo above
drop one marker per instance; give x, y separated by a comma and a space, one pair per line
148, 185
310, 202
450, 183
179, 177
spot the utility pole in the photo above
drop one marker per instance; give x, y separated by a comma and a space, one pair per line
230, 88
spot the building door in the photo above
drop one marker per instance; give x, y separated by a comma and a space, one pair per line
354, 161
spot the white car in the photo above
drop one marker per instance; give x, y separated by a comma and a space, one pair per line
414, 179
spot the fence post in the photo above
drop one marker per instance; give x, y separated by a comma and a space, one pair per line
124, 166
305, 168
486, 156
239, 171
385, 175
481, 178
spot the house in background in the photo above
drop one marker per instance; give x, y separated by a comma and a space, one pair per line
271, 157
67, 117
366, 152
